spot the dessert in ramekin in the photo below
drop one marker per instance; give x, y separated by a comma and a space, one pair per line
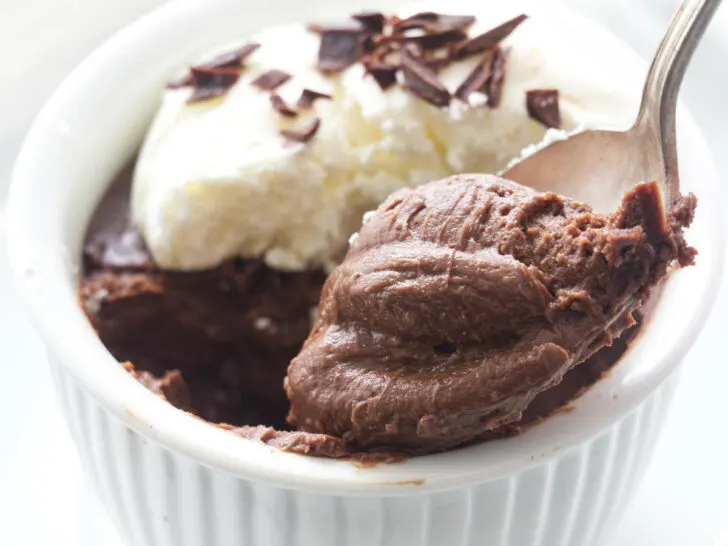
170, 478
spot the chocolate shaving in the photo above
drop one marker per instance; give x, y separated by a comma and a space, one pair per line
543, 106
437, 58
373, 21
477, 80
302, 135
212, 82
498, 73
340, 48
385, 76
281, 107
437, 40
488, 39
434, 22
437, 64
388, 52
232, 58
423, 82
270, 80
368, 44
309, 96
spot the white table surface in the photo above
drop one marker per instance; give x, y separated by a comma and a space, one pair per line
44, 499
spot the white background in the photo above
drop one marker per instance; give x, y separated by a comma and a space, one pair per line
44, 499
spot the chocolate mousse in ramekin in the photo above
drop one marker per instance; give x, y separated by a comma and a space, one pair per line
241, 358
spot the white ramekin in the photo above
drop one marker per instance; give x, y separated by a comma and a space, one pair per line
170, 479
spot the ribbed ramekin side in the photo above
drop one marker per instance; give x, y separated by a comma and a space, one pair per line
645, 435
89, 425
158, 497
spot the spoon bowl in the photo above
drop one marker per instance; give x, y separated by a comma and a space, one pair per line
645, 152
587, 160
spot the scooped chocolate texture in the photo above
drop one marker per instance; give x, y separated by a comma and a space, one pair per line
461, 300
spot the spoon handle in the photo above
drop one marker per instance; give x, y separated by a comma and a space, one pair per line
659, 98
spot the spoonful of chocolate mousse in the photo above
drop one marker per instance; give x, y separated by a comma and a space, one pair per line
461, 300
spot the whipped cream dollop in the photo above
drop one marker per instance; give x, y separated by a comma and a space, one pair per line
215, 178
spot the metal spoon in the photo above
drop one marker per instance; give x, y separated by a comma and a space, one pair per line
645, 152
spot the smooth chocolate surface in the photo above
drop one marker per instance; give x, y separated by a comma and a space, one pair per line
217, 343
461, 300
